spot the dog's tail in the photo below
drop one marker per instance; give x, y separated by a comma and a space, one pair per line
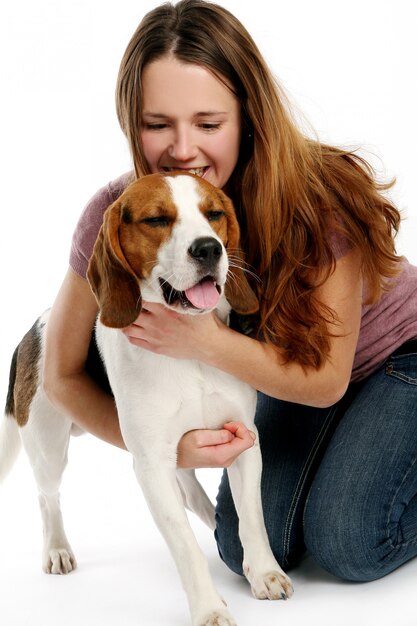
10, 442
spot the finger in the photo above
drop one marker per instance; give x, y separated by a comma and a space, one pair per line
156, 308
225, 454
202, 448
239, 430
207, 438
133, 333
141, 343
150, 305
132, 328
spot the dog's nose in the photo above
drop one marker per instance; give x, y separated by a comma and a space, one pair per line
206, 250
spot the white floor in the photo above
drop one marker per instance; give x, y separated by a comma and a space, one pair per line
125, 575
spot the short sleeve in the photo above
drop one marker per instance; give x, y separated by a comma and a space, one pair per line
90, 221
339, 244
337, 239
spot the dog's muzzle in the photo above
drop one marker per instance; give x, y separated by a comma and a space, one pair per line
206, 253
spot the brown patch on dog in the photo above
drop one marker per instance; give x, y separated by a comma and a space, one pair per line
24, 376
9, 410
149, 216
134, 228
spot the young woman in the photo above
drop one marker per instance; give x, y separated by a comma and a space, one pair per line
333, 351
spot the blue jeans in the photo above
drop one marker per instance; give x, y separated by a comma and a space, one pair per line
340, 482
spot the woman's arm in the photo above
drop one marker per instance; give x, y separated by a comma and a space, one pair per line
66, 383
259, 364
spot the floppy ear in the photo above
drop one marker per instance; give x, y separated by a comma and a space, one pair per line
112, 280
239, 293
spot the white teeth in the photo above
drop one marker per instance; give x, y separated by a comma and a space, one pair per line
197, 171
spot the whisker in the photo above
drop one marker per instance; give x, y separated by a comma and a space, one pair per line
235, 255
164, 280
239, 263
232, 278
246, 270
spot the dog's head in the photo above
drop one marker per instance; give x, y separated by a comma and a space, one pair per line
171, 238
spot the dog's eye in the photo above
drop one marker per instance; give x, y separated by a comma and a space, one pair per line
159, 221
214, 216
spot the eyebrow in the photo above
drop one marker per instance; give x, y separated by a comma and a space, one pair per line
198, 114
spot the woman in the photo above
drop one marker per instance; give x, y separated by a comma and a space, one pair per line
333, 351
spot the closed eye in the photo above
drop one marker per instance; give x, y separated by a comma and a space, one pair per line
209, 127
160, 126
159, 221
214, 216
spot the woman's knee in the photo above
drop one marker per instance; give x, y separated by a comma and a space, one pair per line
338, 548
351, 542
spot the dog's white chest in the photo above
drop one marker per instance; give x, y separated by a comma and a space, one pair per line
184, 394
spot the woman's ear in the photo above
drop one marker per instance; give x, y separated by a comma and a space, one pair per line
112, 281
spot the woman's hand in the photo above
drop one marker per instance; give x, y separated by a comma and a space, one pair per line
214, 448
164, 331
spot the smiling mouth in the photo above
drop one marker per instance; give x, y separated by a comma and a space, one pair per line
197, 171
202, 296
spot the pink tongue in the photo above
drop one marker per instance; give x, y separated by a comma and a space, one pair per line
204, 295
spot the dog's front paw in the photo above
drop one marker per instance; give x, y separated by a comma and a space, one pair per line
59, 561
273, 585
220, 617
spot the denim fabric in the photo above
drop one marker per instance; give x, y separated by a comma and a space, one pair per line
340, 482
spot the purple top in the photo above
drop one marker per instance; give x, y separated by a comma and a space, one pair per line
385, 325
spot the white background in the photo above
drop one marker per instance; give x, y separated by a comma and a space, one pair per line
350, 68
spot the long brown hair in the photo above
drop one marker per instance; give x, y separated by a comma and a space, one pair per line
292, 193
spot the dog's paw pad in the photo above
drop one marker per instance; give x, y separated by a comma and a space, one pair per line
272, 586
59, 561
219, 618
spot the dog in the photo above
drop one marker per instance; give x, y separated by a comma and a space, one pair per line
173, 239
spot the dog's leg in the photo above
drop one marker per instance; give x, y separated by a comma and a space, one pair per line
46, 438
195, 498
259, 564
161, 490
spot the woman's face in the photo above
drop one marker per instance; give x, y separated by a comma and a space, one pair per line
191, 121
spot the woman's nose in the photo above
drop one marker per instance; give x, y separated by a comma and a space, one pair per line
183, 147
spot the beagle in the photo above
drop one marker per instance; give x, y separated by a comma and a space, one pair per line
174, 239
